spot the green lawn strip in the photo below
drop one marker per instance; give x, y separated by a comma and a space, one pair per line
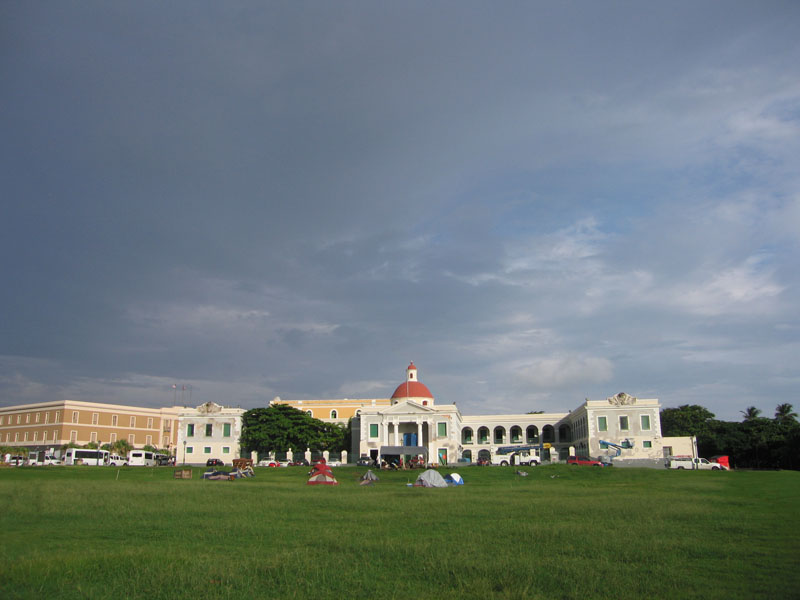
560, 532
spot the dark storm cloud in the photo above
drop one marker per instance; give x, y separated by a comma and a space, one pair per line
535, 203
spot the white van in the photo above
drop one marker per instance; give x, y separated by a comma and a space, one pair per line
141, 458
115, 460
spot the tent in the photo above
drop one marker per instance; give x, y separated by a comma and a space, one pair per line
454, 479
322, 479
369, 476
320, 468
430, 478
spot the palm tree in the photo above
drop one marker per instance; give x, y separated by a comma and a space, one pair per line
751, 413
784, 412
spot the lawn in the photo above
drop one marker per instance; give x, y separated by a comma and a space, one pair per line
562, 532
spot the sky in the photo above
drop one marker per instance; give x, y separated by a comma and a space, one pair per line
536, 202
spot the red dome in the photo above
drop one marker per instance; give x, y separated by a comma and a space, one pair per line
412, 389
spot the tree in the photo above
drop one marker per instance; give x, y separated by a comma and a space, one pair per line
687, 419
785, 412
281, 427
750, 413
535, 412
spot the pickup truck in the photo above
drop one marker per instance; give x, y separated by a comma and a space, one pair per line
585, 461
522, 457
680, 462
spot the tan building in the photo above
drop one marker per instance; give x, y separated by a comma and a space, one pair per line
49, 425
334, 411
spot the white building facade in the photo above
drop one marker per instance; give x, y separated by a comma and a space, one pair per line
209, 431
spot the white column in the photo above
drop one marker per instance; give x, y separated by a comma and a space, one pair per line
396, 437
419, 433
385, 439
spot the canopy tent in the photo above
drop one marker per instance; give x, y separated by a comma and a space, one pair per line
322, 478
430, 478
404, 451
454, 479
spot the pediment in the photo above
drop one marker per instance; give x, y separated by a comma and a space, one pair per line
407, 407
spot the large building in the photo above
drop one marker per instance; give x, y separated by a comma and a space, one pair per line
410, 422
47, 426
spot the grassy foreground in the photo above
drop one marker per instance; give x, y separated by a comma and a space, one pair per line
562, 532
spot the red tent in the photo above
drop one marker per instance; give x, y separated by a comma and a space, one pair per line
322, 478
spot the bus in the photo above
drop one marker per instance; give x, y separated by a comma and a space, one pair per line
141, 458
81, 456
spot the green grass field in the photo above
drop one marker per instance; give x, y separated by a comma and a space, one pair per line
562, 532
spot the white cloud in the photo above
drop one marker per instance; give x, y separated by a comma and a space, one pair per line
565, 370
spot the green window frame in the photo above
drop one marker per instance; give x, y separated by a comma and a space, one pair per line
623, 423
442, 429
647, 444
226, 449
209, 429
189, 449
602, 424
373, 430
645, 420
190, 430
226, 430
207, 450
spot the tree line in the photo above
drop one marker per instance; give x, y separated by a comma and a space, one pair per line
756, 442
281, 427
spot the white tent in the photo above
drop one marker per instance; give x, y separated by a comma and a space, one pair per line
430, 478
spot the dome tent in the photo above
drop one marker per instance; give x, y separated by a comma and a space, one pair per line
454, 479
430, 478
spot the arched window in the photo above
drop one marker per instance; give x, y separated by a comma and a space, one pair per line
309, 413
516, 434
358, 413
548, 434
483, 435
532, 434
467, 455
466, 435
499, 435
564, 433
333, 414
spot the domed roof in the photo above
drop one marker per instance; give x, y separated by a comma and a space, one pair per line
412, 389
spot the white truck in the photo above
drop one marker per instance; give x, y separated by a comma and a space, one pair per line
515, 455
687, 462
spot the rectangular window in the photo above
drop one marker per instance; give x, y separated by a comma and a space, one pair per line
74, 416
37, 416
131, 439
373, 430
602, 424
149, 422
133, 421
73, 436
55, 436
27, 417
167, 425
16, 435
226, 449
645, 422
623, 423
189, 449
95, 418
113, 437
35, 436
647, 444
442, 429
190, 430
113, 420
1, 419
26, 436
19, 419
209, 430
46, 418
148, 440
58, 416
226, 429
207, 450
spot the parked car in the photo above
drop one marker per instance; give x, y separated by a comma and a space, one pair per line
214, 462
364, 461
584, 461
299, 462
114, 460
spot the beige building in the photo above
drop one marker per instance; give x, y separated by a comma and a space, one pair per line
49, 425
